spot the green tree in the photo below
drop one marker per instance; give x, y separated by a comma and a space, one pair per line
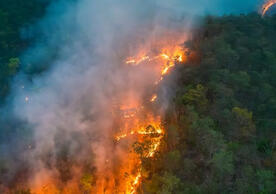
222, 162
196, 96
13, 65
245, 122
266, 181
172, 160
165, 184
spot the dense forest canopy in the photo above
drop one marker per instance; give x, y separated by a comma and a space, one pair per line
221, 123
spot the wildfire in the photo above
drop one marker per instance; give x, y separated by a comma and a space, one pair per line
266, 6
137, 61
166, 68
138, 132
165, 56
135, 183
130, 61
153, 98
148, 134
143, 126
168, 57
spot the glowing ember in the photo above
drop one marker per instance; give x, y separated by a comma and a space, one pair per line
140, 131
137, 61
166, 68
180, 58
153, 98
165, 56
144, 130
266, 6
130, 61
137, 132
143, 127
135, 183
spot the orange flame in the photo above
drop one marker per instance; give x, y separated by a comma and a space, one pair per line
266, 6
148, 128
153, 98
143, 128
135, 125
137, 61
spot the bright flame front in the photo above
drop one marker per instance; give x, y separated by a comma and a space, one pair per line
138, 132
140, 126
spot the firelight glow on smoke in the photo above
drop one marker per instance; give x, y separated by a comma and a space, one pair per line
95, 116
137, 130
96, 104
141, 124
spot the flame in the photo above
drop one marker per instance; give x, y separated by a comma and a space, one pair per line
167, 68
165, 56
135, 125
141, 132
154, 97
137, 61
130, 61
267, 5
135, 182
168, 56
143, 126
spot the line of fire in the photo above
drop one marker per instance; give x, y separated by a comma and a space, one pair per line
138, 132
138, 128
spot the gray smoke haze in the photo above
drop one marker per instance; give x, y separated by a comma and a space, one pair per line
69, 107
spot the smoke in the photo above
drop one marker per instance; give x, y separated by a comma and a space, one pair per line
67, 110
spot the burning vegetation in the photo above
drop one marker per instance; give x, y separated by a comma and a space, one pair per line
88, 112
136, 131
139, 128
267, 5
98, 120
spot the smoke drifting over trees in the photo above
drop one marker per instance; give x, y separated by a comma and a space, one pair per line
67, 110
58, 99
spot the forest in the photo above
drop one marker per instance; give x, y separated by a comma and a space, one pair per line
220, 123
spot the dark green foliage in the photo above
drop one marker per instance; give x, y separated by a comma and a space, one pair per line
165, 184
15, 15
266, 181
221, 129
225, 109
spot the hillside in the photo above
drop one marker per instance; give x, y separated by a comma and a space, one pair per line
220, 122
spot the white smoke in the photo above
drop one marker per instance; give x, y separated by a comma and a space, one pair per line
86, 42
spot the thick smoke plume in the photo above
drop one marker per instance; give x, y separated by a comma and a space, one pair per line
68, 110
